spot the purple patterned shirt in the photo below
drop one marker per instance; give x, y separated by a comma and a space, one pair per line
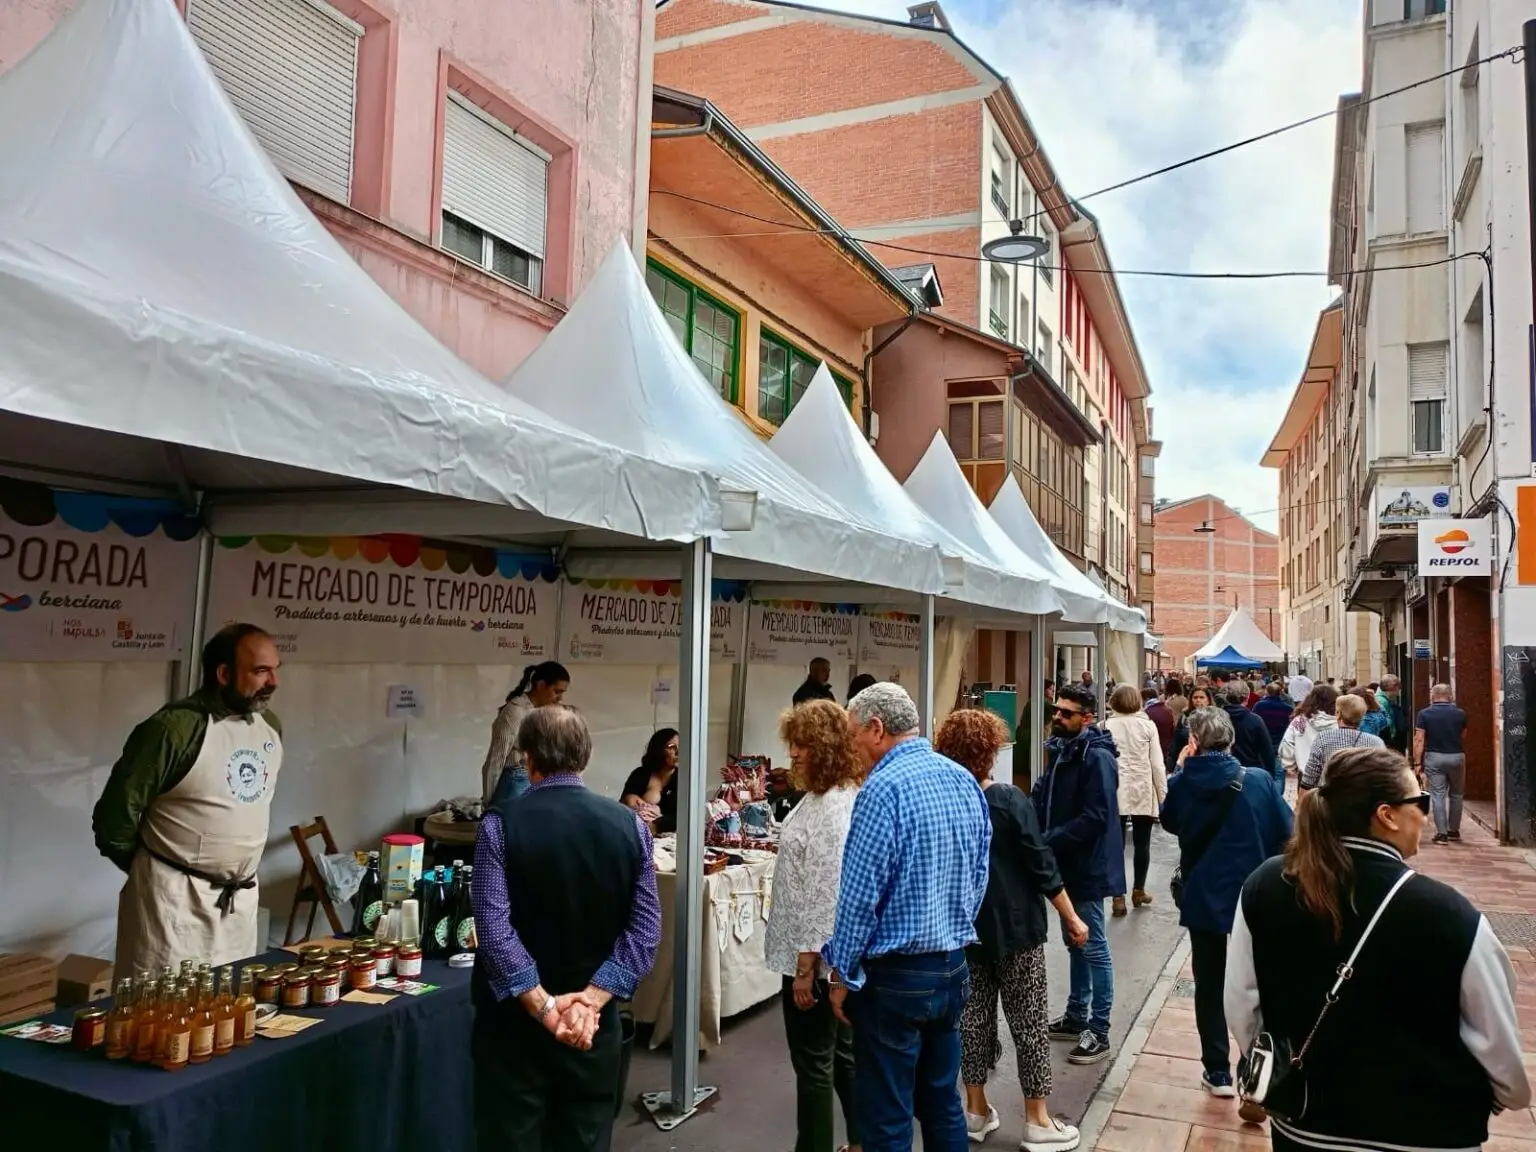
510, 968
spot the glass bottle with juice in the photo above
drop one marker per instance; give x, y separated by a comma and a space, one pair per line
120, 1021
224, 1013
203, 1024
178, 1029
245, 1010
146, 1022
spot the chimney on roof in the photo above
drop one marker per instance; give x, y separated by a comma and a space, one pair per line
929, 14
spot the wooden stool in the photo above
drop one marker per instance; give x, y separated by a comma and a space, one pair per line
311, 889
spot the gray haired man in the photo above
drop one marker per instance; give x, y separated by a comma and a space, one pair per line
1440, 754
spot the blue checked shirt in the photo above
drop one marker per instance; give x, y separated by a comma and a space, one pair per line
915, 862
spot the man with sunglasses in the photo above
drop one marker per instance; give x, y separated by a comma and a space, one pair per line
1080, 815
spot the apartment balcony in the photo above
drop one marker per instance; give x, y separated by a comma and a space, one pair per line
1397, 494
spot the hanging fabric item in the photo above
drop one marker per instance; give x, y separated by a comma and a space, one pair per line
746, 916
722, 923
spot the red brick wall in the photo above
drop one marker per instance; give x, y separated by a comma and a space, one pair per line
804, 68
683, 16
1239, 558
1471, 668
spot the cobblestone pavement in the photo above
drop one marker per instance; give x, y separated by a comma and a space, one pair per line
1152, 1100
755, 1108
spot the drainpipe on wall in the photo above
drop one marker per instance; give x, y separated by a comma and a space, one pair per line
869, 389
644, 77
700, 129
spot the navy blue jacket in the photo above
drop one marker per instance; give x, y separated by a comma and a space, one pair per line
1253, 746
1255, 829
1276, 712
1077, 802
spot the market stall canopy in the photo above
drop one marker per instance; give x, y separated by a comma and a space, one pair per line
820, 440
176, 319
940, 489
1228, 657
1084, 600
613, 368
1241, 637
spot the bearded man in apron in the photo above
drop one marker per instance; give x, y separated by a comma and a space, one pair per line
184, 813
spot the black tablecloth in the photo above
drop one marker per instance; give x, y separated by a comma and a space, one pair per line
368, 1077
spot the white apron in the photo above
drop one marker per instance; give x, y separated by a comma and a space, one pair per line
215, 823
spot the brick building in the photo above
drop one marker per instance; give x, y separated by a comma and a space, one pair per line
1200, 576
922, 150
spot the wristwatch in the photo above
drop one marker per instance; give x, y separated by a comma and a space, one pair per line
548, 1007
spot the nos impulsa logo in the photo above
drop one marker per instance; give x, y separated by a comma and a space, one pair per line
1452, 544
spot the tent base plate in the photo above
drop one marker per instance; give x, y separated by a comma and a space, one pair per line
659, 1105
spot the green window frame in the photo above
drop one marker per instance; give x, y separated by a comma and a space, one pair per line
708, 329
784, 373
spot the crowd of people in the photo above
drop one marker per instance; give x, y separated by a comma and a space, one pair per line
914, 894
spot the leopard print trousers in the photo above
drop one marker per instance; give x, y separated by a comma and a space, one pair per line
1019, 980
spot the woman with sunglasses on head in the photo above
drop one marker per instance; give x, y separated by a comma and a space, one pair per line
1420, 1040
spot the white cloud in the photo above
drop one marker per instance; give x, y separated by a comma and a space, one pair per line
1114, 92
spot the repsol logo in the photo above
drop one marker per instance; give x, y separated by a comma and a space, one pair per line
1453, 561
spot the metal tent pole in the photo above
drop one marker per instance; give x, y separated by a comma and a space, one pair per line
669, 1109
1101, 634
1038, 702
925, 670
192, 666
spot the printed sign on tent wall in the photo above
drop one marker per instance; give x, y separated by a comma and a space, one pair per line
351, 599
888, 643
638, 622
797, 632
93, 578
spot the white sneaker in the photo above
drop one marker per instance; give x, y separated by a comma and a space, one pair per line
978, 1128
1058, 1137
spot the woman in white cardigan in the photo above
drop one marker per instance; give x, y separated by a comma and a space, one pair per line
1143, 783
1315, 715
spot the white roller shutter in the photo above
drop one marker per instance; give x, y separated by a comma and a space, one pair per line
1426, 371
290, 68
493, 178
1426, 177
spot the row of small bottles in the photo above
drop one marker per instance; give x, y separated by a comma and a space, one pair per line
173, 1021
447, 916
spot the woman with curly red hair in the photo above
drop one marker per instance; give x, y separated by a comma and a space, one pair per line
1008, 959
825, 767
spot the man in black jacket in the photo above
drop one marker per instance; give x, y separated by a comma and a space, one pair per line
1252, 746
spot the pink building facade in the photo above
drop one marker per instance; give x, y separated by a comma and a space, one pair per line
478, 163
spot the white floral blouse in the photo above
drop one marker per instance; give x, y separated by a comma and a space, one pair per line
806, 877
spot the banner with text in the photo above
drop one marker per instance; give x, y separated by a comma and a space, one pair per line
638, 622
335, 602
67, 594
888, 640
797, 633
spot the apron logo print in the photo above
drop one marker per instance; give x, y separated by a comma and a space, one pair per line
269, 746
246, 775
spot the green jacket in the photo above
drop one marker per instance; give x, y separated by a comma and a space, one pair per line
157, 756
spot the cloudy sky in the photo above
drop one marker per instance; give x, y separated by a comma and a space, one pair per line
1120, 87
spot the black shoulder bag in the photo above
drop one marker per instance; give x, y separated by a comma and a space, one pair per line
1190, 856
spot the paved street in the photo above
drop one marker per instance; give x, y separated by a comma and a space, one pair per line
1162, 1108
755, 1108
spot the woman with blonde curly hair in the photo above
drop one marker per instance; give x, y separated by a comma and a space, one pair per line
823, 765
1008, 959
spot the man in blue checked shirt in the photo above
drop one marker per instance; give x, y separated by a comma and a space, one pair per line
914, 874
568, 920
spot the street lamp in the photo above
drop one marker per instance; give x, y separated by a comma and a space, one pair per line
1015, 248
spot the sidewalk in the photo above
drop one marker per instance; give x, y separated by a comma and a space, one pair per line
1162, 1107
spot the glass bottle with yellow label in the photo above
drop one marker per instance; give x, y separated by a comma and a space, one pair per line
178, 1029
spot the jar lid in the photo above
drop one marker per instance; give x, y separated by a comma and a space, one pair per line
329, 976
404, 839
385, 950
363, 942
462, 960
410, 950
284, 969
299, 977
91, 1014
253, 970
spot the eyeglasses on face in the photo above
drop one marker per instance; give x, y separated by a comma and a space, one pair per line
1067, 712
1421, 802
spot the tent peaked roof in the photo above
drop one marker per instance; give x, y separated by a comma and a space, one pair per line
1244, 637
820, 440
940, 489
159, 279
614, 368
1084, 600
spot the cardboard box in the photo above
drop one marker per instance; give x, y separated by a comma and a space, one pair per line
83, 979
26, 979
28, 1012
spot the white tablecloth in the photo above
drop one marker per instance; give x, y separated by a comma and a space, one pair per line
736, 903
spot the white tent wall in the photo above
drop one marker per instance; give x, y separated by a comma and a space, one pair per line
64, 726
769, 690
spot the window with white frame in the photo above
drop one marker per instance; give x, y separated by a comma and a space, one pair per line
290, 69
998, 311
1047, 263
495, 194
1426, 396
1146, 563
1370, 418
1471, 109
1002, 182
1149, 466
1043, 349
1472, 372
1426, 188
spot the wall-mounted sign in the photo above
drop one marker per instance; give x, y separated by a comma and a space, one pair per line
68, 594
1455, 548
349, 600
638, 622
797, 633
1421, 649
1405, 507
889, 639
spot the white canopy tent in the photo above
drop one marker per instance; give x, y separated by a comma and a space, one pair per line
1244, 637
178, 324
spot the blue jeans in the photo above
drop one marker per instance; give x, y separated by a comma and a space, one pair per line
1093, 973
513, 783
906, 1047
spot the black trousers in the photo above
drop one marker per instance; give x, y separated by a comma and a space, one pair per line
821, 1053
535, 1094
1141, 849
1208, 959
